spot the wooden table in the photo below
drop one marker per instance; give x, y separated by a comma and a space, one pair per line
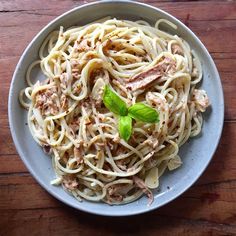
208, 208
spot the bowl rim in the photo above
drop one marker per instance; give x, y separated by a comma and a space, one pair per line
34, 174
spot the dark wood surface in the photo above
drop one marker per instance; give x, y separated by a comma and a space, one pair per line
207, 208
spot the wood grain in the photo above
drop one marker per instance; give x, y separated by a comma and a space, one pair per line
63, 221
207, 208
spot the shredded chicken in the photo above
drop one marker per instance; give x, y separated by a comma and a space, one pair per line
64, 102
146, 78
156, 101
69, 182
64, 81
78, 154
97, 91
75, 65
46, 101
83, 46
77, 88
117, 192
120, 150
176, 49
116, 138
121, 164
76, 75
107, 46
140, 183
200, 99
99, 79
113, 197
152, 141
74, 125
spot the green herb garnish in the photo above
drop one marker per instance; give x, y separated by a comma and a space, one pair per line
113, 102
144, 113
138, 111
125, 127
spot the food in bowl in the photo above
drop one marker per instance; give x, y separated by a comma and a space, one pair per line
118, 100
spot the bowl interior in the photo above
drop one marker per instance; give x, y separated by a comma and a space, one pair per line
195, 154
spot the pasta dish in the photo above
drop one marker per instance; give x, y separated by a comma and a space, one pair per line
118, 100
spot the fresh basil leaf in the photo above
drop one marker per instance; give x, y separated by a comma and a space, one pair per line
125, 127
142, 112
113, 102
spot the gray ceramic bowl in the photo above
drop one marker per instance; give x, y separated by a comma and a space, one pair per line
195, 154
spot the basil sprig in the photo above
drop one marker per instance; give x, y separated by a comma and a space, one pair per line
125, 127
138, 111
113, 102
